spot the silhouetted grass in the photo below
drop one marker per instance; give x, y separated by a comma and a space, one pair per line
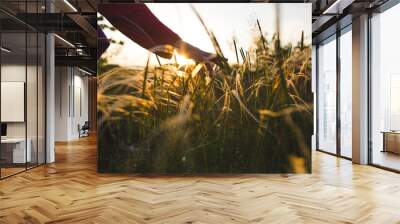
249, 117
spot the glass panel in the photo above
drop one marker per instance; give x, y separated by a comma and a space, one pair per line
31, 98
41, 99
13, 87
327, 96
385, 87
23, 90
346, 94
32, 89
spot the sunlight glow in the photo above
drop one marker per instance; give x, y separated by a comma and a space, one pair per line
182, 60
225, 20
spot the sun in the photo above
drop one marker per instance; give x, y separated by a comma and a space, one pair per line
182, 60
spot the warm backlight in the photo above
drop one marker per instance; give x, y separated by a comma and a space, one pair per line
182, 60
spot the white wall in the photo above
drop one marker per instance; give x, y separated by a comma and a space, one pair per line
71, 102
61, 103
14, 72
80, 104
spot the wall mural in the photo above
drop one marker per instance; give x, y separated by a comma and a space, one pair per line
204, 88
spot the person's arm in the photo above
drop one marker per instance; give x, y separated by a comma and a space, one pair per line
138, 23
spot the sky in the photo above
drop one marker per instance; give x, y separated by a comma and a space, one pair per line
226, 20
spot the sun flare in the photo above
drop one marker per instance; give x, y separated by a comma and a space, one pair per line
182, 60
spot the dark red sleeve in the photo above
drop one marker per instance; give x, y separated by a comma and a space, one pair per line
102, 42
138, 23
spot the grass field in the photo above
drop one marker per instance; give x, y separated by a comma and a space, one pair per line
249, 116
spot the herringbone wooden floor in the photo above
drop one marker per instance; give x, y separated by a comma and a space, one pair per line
71, 191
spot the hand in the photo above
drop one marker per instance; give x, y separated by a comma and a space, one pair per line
189, 51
